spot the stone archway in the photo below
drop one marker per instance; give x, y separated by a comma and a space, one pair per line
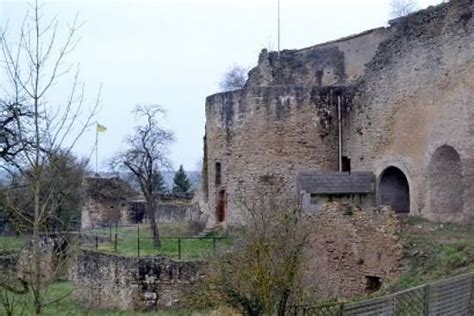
394, 190
445, 181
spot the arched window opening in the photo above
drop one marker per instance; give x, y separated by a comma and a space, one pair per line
445, 181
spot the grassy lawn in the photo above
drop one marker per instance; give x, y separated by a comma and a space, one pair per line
127, 242
191, 248
68, 307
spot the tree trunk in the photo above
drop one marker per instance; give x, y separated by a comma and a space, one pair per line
36, 273
151, 217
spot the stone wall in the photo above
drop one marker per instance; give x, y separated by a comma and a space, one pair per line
134, 284
176, 209
415, 100
111, 200
352, 251
105, 202
266, 136
406, 101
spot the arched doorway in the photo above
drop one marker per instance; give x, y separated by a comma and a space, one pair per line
394, 190
445, 181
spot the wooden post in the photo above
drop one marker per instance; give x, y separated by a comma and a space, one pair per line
96, 241
110, 233
115, 243
138, 239
179, 248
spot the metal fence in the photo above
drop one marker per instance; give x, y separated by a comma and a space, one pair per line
136, 241
452, 296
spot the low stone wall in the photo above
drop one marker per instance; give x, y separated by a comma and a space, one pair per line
176, 210
136, 284
353, 251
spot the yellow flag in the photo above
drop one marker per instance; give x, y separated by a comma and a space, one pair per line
100, 128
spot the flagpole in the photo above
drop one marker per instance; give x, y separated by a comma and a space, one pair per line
96, 150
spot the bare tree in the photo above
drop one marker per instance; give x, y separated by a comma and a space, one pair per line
145, 155
34, 63
400, 8
234, 78
262, 273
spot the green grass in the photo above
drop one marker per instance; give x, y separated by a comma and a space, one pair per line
127, 243
68, 307
174, 229
10, 244
434, 251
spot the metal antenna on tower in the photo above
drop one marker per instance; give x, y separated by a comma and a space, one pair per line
278, 27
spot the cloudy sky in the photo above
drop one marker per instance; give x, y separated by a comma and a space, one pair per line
174, 52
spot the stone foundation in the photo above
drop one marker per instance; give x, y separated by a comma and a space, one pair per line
352, 251
135, 284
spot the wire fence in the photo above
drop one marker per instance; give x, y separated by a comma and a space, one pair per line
137, 241
454, 296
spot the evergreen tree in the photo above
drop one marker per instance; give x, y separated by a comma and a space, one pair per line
159, 183
181, 181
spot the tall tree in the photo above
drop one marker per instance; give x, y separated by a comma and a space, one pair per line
145, 154
33, 63
61, 184
181, 181
159, 185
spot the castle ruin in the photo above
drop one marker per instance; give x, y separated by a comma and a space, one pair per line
379, 118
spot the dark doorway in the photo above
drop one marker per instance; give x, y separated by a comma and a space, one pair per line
394, 190
372, 284
346, 164
222, 206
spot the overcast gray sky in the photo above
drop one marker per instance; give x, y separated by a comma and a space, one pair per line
174, 52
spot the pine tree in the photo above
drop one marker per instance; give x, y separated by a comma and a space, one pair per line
181, 181
159, 183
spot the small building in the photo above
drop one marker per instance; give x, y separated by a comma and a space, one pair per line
319, 188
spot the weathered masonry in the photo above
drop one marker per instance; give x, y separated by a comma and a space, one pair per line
394, 103
110, 201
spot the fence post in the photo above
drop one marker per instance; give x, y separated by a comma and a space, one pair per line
96, 241
110, 233
471, 300
138, 239
214, 244
179, 248
426, 300
115, 243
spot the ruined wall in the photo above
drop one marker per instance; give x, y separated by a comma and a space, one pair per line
352, 251
415, 98
111, 200
283, 122
408, 92
339, 62
177, 209
105, 202
133, 284
266, 136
